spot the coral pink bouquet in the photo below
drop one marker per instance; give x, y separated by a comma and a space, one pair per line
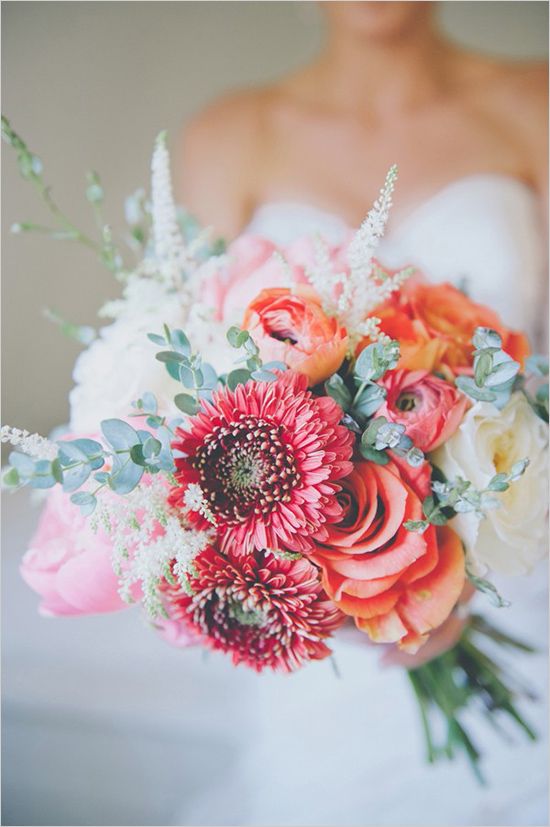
300, 456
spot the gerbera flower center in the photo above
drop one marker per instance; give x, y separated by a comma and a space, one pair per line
245, 616
246, 467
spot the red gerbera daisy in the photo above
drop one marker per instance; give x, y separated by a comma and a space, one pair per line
267, 610
266, 456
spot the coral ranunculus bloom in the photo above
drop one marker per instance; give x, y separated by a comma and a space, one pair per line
430, 408
435, 324
290, 326
398, 585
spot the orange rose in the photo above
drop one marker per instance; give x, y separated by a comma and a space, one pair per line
434, 324
397, 584
291, 327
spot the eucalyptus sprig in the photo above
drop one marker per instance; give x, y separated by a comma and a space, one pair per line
380, 436
494, 370
31, 169
198, 378
537, 366
254, 366
460, 496
119, 464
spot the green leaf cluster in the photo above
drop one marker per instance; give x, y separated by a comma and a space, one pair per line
253, 367
465, 679
495, 371
197, 377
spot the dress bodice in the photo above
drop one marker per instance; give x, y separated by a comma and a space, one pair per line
481, 232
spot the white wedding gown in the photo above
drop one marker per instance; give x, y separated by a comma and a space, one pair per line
348, 750
104, 723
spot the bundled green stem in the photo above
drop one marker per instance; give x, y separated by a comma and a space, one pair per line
466, 677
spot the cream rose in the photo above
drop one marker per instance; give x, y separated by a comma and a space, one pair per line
512, 538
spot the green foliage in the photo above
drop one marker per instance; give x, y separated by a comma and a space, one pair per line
377, 358
31, 169
465, 678
84, 334
494, 370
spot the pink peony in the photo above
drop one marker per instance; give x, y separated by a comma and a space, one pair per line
430, 408
69, 564
251, 266
267, 457
255, 264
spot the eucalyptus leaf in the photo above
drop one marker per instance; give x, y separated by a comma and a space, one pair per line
180, 342
489, 589
187, 377
336, 388
158, 340
237, 377
151, 447
119, 434
125, 475
370, 453
485, 337
86, 501
74, 478
186, 403
504, 370
468, 386
11, 478
369, 400
498, 483
263, 376
24, 464
170, 356
537, 364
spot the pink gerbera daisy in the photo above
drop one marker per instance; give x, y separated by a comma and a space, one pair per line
267, 610
267, 457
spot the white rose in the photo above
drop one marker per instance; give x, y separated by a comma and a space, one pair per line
119, 367
512, 538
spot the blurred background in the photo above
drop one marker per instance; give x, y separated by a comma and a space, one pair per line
103, 723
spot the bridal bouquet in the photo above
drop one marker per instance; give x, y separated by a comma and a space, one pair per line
266, 444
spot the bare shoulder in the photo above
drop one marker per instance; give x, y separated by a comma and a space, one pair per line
514, 96
517, 90
236, 115
523, 84
216, 156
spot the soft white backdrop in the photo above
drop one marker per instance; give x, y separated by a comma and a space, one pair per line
102, 722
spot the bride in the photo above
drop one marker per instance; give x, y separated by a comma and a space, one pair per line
308, 154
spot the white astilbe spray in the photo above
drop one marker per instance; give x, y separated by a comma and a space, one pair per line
164, 272
195, 500
169, 247
33, 445
324, 278
366, 240
148, 536
352, 295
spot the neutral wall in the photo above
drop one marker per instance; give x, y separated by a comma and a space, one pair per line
89, 85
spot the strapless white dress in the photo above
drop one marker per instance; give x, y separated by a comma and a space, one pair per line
348, 750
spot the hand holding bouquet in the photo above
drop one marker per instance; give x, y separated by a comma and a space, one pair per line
323, 442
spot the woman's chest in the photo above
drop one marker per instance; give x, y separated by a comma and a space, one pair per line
340, 163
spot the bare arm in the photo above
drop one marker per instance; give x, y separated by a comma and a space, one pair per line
217, 163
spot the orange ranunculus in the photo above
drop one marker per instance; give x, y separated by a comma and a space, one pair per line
398, 585
434, 324
290, 326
